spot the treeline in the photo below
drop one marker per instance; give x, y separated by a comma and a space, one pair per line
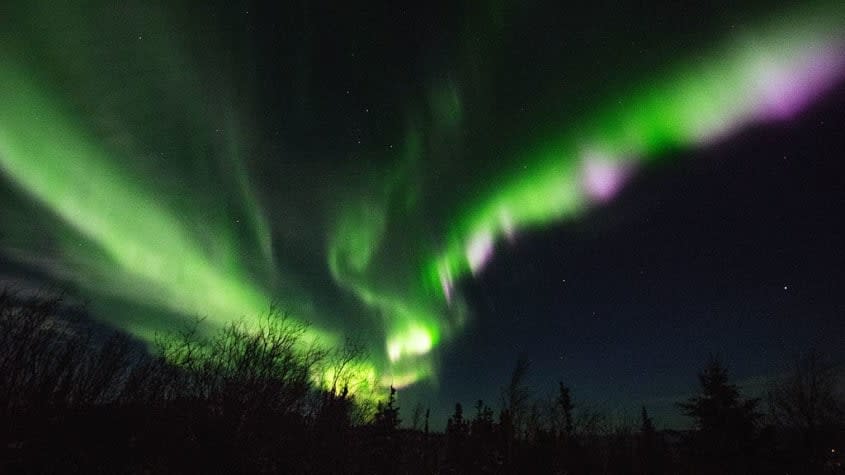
798, 427
242, 400
239, 400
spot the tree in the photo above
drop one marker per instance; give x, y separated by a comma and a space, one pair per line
724, 422
416, 415
646, 425
387, 414
805, 403
650, 456
339, 364
331, 430
384, 448
481, 437
482, 423
456, 425
516, 395
564, 403
457, 432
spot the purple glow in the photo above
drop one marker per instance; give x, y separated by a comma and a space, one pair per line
602, 178
479, 250
787, 89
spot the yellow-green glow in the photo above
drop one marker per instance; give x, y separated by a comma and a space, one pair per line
415, 340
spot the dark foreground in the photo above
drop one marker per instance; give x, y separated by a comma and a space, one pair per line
74, 400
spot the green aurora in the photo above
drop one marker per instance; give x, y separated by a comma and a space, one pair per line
134, 144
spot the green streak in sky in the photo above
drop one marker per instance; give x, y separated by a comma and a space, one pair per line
413, 323
48, 156
764, 75
770, 74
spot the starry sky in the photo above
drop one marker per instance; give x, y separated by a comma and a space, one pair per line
611, 191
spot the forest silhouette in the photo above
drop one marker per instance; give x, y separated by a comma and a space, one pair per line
243, 400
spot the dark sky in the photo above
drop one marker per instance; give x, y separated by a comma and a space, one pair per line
161, 159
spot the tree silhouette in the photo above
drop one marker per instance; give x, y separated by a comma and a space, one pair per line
724, 422
564, 404
416, 416
387, 414
516, 395
262, 399
649, 449
384, 444
646, 425
331, 431
805, 403
457, 432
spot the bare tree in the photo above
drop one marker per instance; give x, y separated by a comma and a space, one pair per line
516, 396
563, 404
339, 366
807, 405
416, 416
807, 397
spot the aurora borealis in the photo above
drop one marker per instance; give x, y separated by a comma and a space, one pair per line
177, 160
760, 81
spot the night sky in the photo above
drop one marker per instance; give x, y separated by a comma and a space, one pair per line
610, 191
